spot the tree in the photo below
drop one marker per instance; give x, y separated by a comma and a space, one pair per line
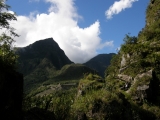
7, 34
130, 39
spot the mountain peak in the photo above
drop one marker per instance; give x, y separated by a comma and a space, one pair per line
45, 44
32, 55
47, 41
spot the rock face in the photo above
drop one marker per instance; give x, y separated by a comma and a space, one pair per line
11, 92
143, 86
136, 69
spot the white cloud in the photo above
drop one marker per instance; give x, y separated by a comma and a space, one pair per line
79, 44
117, 7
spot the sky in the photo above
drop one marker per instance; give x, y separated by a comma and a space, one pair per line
82, 28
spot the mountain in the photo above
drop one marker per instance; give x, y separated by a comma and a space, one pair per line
100, 62
40, 52
45, 62
131, 89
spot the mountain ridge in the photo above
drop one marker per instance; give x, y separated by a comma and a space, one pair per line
100, 62
45, 62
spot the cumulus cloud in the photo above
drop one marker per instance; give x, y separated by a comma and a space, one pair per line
61, 23
117, 7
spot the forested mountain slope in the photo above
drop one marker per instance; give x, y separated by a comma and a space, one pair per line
44, 62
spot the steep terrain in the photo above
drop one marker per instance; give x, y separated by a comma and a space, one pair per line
131, 89
40, 59
43, 62
135, 71
39, 54
100, 62
139, 60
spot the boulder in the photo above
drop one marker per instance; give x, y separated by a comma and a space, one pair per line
123, 61
144, 85
125, 78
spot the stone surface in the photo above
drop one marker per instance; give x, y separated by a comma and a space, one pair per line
123, 61
125, 77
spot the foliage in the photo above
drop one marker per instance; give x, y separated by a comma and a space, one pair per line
7, 55
130, 39
113, 67
139, 55
91, 81
129, 45
58, 103
98, 99
98, 102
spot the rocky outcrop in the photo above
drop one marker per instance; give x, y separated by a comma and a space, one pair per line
142, 87
125, 78
123, 61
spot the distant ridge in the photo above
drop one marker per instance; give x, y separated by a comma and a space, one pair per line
100, 62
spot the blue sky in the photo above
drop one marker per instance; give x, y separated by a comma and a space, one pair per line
82, 28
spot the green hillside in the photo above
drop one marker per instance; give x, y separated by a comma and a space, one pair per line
44, 63
132, 82
131, 89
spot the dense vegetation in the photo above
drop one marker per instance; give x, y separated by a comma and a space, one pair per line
129, 91
7, 55
47, 66
11, 82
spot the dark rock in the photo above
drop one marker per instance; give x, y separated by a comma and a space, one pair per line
148, 90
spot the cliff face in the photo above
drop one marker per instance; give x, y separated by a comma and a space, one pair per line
139, 58
132, 81
137, 73
11, 92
